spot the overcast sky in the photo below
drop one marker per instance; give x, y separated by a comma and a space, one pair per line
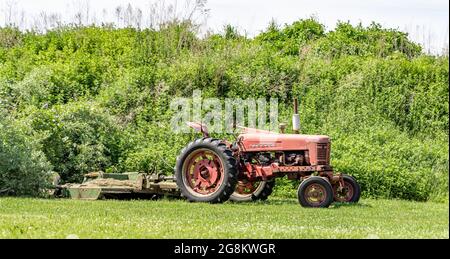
425, 20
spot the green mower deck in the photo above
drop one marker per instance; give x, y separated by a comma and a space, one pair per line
101, 185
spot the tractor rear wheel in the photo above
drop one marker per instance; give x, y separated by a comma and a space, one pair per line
351, 191
315, 192
206, 171
252, 191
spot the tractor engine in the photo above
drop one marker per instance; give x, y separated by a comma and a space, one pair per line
265, 155
296, 158
288, 158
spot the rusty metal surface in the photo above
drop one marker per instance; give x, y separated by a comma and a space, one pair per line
97, 185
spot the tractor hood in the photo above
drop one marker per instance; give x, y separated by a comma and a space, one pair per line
270, 141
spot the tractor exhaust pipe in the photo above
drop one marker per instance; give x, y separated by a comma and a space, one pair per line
296, 118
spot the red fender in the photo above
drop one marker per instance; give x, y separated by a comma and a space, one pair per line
200, 127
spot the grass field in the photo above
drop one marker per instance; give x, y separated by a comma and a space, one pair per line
276, 218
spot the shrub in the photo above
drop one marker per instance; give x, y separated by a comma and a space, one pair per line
365, 41
290, 39
24, 169
79, 138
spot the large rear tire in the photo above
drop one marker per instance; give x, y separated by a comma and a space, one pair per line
205, 171
252, 191
315, 192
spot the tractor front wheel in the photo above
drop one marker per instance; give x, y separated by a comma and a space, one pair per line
315, 192
350, 192
206, 171
252, 191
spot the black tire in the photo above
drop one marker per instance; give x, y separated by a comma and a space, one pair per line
356, 190
224, 154
262, 192
315, 185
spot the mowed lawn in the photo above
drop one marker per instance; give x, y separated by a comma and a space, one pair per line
276, 218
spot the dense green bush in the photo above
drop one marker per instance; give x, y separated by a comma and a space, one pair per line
98, 98
290, 39
78, 137
365, 41
24, 169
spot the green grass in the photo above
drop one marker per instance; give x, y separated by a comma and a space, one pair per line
276, 218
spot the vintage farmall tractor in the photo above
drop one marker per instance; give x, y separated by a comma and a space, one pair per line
214, 170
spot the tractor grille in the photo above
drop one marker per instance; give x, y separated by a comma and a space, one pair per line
323, 154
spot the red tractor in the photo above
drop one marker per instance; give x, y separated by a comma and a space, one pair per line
214, 170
